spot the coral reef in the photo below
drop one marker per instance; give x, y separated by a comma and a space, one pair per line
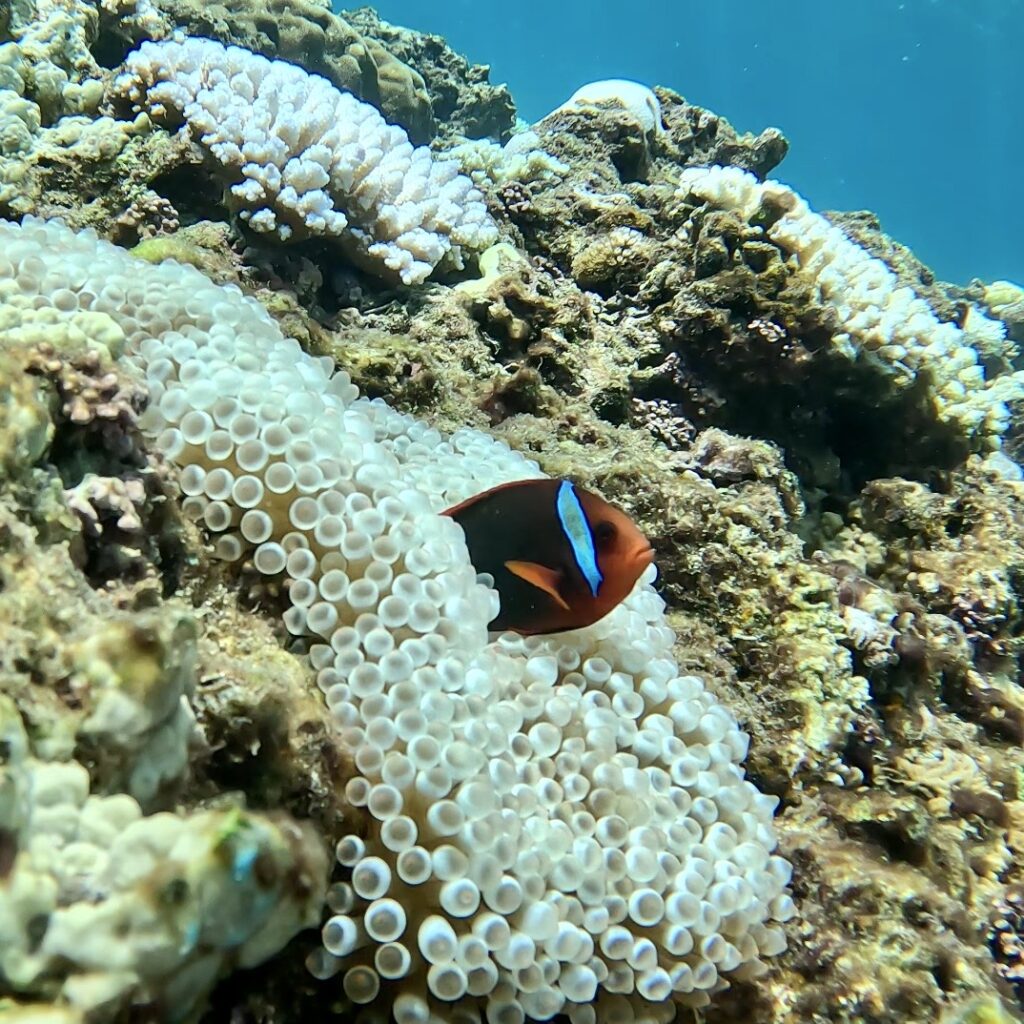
309, 33
103, 906
237, 636
888, 329
464, 101
57, 154
301, 158
1005, 301
394, 618
113, 892
520, 160
634, 97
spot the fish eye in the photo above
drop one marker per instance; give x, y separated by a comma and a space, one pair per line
604, 533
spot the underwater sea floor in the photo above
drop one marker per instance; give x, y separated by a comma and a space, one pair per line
278, 286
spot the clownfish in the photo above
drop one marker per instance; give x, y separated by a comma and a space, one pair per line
561, 557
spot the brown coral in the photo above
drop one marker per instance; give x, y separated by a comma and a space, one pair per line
464, 101
614, 262
118, 491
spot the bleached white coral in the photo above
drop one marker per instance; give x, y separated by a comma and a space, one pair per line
105, 905
520, 159
553, 824
304, 158
988, 337
50, 53
879, 320
635, 97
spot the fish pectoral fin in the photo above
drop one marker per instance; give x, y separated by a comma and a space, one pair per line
539, 576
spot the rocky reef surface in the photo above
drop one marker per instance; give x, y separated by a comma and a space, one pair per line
833, 498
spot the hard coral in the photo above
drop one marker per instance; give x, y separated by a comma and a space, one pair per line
1006, 939
631, 96
505, 298
119, 680
103, 907
309, 33
90, 436
332, 166
884, 327
147, 216
615, 262
464, 101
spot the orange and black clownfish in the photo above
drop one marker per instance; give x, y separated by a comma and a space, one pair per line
560, 556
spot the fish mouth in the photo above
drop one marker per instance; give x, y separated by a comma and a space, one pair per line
643, 554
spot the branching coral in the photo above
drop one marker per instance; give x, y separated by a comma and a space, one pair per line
879, 322
302, 158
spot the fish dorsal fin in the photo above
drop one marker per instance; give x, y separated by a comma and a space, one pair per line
539, 576
578, 533
476, 499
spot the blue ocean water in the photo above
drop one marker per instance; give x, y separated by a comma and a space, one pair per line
910, 108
